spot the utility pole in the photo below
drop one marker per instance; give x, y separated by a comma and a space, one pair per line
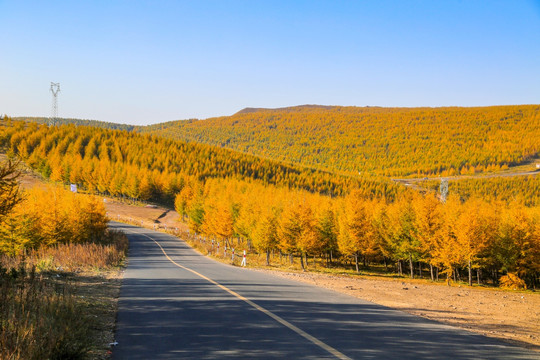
55, 89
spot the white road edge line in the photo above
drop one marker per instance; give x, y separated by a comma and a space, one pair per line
279, 319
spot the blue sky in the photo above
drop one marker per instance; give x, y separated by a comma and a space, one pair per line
142, 62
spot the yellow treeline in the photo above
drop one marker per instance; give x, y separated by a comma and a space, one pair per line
390, 142
52, 216
416, 231
144, 167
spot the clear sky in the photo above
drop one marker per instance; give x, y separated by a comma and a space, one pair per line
142, 62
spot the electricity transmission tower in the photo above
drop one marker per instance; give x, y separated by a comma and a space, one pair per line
444, 190
55, 89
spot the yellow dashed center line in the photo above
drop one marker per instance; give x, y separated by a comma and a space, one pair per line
279, 319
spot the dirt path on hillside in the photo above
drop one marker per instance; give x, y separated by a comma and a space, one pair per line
530, 168
462, 177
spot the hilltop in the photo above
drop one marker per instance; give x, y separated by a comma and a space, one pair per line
389, 142
250, 110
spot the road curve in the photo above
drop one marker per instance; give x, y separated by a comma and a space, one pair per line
177, 304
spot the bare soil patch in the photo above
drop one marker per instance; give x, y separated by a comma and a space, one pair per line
150, 216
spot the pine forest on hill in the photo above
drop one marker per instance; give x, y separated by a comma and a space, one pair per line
151, 168
391, 142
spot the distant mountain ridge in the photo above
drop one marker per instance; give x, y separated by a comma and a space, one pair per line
81, 122
250, 110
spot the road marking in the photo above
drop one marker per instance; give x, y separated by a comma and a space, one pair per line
279, 319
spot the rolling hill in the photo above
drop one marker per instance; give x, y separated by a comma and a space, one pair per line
372, 140
151, 167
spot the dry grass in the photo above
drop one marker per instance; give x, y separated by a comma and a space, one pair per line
40, 318
42, 315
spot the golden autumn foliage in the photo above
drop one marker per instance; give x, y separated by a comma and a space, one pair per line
475, 237
51, 230
52, 216
269, 206
525, 189
146, 167
9, 186
356, 232
382, 141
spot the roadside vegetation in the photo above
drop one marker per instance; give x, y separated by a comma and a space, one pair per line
51, 241
416, 235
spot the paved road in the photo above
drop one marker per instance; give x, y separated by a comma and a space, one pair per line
177, 304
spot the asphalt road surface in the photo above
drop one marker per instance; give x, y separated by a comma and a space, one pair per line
177, 304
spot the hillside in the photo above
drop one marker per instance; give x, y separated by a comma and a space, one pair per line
148, 167
373, 140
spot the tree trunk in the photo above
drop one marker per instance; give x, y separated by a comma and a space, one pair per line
331, 257
437, 272
431, 272
411, 266
400, 268
291, 257
365, 261
420, 269
470, 272
267, 257
302, 262
478, 271
356, 262
385, 264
